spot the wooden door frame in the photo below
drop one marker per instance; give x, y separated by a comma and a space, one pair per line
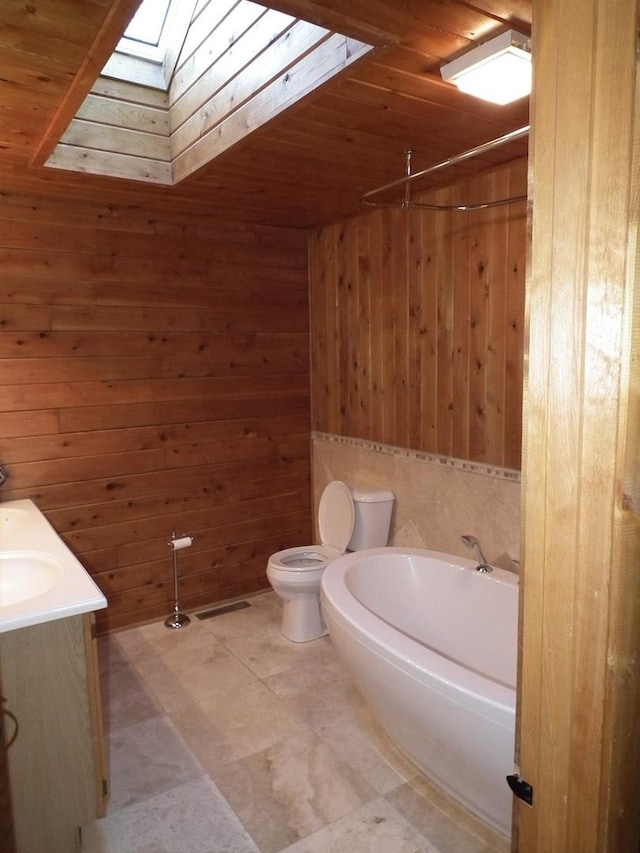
579, 693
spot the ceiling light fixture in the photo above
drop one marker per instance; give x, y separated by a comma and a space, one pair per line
498, 70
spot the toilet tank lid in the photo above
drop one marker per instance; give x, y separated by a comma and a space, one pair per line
372, 495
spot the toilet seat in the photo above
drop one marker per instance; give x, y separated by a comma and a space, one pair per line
336, 517
303, 560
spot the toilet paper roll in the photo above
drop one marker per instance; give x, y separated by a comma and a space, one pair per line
184, 542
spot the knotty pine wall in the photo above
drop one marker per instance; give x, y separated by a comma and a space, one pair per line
155, 378
417, 324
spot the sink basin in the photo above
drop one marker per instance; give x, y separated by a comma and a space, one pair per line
26, 574
41, 579
12, 519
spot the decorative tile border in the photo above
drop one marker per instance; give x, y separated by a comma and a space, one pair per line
430, 458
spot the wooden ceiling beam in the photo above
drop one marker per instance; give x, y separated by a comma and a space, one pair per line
334, 18
118, 15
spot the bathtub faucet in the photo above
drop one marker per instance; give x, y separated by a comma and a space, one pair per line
471, 541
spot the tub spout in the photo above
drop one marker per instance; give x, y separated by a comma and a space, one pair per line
471, 541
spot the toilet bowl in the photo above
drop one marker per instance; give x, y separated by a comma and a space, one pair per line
295, 573
345, 518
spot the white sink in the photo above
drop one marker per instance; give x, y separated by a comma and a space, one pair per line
27, 574
40, 577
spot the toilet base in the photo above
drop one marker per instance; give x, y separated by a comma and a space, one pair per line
302, 619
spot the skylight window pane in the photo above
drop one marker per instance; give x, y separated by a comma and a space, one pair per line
147, 23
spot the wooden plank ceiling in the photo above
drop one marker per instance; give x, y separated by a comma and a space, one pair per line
305, 167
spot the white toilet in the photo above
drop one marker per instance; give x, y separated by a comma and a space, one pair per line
350, 519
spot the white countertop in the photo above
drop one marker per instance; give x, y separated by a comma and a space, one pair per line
26, 537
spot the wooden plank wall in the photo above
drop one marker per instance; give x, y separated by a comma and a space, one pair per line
417, 324
155, 378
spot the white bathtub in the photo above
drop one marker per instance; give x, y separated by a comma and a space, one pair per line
432, 645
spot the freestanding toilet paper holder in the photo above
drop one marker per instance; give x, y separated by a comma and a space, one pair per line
177, 619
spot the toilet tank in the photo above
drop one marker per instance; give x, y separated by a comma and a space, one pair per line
372, 518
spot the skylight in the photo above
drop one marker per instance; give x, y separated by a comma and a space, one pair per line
148, 22
145, 36
221, 70
147, 52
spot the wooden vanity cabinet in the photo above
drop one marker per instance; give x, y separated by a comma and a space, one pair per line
57, 770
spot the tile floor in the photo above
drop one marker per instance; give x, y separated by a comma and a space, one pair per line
224, 737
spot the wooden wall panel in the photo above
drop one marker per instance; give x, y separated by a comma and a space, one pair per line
417, 324
155, 377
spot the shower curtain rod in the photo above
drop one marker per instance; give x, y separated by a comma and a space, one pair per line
451, 161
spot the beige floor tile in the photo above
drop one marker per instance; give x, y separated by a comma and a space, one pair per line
267, 654
318, 689
236, 724
374, 828
136, 642
290, 790
186, 675
189, 818
360, 741
125, 697
148, 758
263, 616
